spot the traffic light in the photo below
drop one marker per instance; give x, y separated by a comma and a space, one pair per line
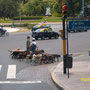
64, 11
61, 33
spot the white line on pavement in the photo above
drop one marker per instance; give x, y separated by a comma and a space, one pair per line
0, 67
11, 72
19, 82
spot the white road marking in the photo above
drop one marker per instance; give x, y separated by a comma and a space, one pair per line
11, 74
0, 67
19, 82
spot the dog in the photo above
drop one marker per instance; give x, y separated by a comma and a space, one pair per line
29, 56
56, 56
22, 56
14, 53
50, 58
47, 58
39, 51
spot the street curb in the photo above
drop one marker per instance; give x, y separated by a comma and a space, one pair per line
56, 82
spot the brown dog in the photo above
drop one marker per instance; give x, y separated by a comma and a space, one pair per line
39, 51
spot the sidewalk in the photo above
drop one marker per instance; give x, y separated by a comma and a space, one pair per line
79, 78
9, 29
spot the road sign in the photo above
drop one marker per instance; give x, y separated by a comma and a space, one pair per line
79, 25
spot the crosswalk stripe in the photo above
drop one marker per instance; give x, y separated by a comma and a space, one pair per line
19, 82
0, 67
11, 74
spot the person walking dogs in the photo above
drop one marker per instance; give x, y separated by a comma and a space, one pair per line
33, 46
28, 44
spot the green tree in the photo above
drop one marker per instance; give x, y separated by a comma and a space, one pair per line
8, 8
56, 7
75, 7
33, 7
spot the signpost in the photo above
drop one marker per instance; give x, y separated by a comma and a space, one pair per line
79, 25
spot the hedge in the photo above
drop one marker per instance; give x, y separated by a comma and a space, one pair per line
27, 18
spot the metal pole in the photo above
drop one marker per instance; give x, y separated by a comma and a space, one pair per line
68, 72
67, 43
83, 8
64, 44
20, 10
67, 37
64, 48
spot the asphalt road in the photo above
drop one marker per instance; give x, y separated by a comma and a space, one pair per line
24, 71
78, 44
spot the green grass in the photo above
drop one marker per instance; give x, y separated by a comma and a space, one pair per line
49, 19
54, 19
6, 21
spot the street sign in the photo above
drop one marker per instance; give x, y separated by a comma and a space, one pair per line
79, 25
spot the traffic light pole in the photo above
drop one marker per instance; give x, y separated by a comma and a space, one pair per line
64, 48
64, 42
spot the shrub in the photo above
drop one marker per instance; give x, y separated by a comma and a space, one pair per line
29, 26
27, 18
55, 14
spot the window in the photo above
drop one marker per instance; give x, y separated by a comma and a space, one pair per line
45, 30
50, 30
42, 26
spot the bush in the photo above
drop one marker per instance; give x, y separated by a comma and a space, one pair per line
27, 18
55, 14
29, 26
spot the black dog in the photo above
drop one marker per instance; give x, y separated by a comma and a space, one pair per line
22, 56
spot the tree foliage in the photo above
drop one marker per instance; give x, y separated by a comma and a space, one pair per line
33, 7
10, 8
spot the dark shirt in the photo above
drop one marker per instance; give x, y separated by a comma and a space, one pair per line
27, 45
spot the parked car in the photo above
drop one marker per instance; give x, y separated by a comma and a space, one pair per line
44, 33
40, 26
